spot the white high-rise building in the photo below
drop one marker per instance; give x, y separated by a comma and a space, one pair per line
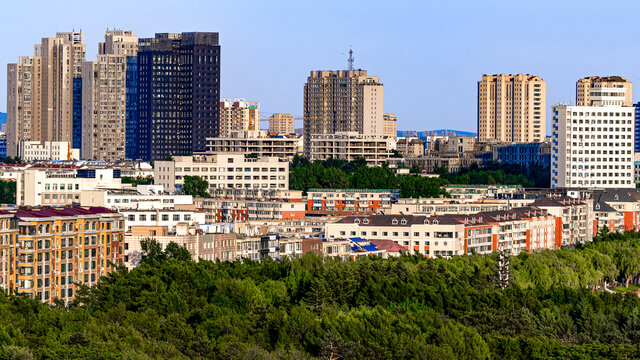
593, 145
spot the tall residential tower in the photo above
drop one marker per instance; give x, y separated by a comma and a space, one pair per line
342, 101
104, 97
512, 108
43, 92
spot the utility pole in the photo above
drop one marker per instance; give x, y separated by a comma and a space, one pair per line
503, 267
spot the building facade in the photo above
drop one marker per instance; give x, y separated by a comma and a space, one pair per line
57, 249
224, 171
390, 125
258, 142
592, 146
595, 85
104, 98
178, 92
282, 124
48, 150
512, 108
375, 149
525, 155
342, 101
349, 201
238, 115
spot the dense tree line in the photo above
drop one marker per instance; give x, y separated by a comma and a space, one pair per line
495, 173
340, 174
7, 192
314, 308
138, 180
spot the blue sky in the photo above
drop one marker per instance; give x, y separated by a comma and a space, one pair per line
429, 55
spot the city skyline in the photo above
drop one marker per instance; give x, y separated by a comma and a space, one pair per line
260, 49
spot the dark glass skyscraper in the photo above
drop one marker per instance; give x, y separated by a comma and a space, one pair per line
76, 135
131, 144
178, 93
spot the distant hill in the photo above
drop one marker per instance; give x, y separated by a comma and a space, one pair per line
440, 132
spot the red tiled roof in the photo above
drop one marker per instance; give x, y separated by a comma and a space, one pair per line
66, 211
387, 245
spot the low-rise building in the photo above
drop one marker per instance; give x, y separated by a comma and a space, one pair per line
224, 171
375, 149
349, 201
515, 230
258, 142
47, 150
59, 187
139, 197
169, 218
525, 155
410, 147
574, 218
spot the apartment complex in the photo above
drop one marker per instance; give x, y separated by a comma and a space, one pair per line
282, 124
375, 149
342, 101
515, 230
592, 146
595, 85
44, 92
232, 171
258, 142
104, 100
390, 125
238, 114
179, 93
46, 253
512, 108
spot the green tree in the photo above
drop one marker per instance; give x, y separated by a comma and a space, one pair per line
195, 186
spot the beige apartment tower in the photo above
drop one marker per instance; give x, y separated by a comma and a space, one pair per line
23, 103
595, 85
390, 125
238, 115
512, 108
282, 124
40, 91
104, 98
342, 101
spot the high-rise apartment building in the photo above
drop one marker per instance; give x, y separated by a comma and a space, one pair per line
342, 101
282, 124
238, 115
593, 85
104, 97
178, 92
390, 127
43, 92
23, 103
512, 108
592, 146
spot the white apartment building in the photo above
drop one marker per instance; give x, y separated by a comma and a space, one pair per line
168, 218
50, 187
47, 150
140, 197
257, 142
376, 149
222, 171
593, 145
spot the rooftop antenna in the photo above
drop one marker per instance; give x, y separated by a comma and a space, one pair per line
350, 58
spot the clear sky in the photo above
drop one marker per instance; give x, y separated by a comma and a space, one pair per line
428, 54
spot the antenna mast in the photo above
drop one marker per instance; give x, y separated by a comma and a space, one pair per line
350, 58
